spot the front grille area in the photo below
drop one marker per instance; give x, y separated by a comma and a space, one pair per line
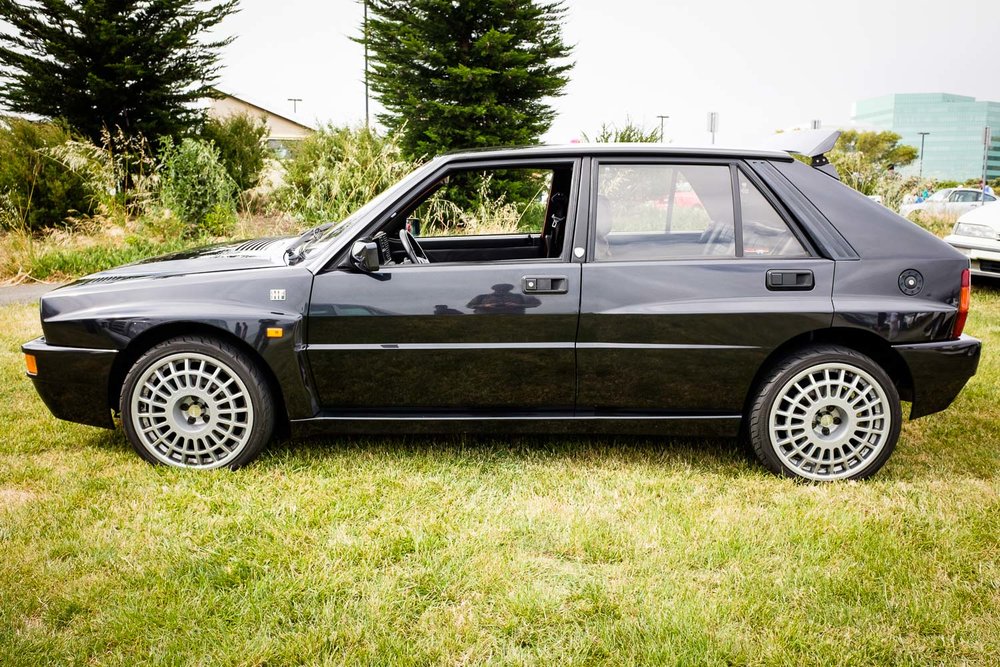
989, 266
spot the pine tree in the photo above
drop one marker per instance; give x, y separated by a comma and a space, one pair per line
467, 73
130, 64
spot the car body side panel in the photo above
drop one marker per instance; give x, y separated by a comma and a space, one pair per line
688, 336
112, 315
867, 296
444, 336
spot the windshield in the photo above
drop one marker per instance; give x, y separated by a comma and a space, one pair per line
362, 213
940, 195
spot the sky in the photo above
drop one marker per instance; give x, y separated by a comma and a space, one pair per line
763, 65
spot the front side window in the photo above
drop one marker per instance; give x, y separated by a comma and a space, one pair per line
481, 214
657, 211
484, 202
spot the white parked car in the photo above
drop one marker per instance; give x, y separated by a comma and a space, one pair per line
977, 234
950, 200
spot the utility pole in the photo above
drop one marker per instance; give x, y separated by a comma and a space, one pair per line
987, 140
295, 103
662, 118
713, 124
923, 135
366, 63
816, 124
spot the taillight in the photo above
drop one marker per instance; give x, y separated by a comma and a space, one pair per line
963, 303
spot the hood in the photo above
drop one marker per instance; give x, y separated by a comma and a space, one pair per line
255, 254
987, 214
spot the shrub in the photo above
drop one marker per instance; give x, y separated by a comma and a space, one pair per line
120, 174
630, 133
870, 178
38, 190
242, 150
336, 170
195, 187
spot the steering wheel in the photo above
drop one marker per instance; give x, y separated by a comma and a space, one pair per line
412, 248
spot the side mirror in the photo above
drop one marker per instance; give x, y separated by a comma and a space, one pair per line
364, 256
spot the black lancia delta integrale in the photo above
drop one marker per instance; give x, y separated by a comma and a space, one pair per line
585, 289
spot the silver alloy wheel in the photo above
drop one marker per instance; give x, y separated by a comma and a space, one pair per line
192, 411
830, 421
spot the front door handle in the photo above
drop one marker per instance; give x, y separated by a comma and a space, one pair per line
544, 284
789, 280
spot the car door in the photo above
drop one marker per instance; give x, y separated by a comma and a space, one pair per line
694, 276
448, 337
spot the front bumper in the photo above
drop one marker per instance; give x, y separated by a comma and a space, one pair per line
939, 371
73, 381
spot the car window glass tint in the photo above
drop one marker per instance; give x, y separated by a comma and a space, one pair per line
664, 211
484, 202
764, 231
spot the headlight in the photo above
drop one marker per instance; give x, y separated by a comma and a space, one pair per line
979, 231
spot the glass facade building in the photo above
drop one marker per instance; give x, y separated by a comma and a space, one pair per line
953, 149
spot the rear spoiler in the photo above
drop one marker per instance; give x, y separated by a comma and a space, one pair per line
813, 144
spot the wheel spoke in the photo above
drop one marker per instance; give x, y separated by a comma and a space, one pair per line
829, 421
191, 410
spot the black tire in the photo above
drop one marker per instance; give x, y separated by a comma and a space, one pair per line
197, 402
804, 420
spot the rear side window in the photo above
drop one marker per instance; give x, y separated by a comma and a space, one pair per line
764, 231
659, 211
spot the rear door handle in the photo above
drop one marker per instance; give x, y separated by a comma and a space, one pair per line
789, 280
544, 284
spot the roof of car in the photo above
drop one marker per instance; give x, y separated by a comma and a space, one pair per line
650, 150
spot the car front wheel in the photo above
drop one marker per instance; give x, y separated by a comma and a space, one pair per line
197, 402
825, 413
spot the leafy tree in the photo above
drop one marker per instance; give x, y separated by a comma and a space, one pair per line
132, 64
466, 74
881, 149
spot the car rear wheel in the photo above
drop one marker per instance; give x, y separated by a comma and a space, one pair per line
825, 413
197, 402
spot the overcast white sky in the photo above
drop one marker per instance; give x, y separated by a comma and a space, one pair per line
762, 64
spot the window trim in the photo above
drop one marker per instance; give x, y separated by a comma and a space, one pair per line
636, 161
735, 168
420, 189
781, 210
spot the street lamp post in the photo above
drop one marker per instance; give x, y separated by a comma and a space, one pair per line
922, 136
662, 118
366, 62
713, 124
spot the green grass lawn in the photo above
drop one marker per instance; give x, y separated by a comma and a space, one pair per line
497, 551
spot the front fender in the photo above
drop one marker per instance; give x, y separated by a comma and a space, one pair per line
132, 316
